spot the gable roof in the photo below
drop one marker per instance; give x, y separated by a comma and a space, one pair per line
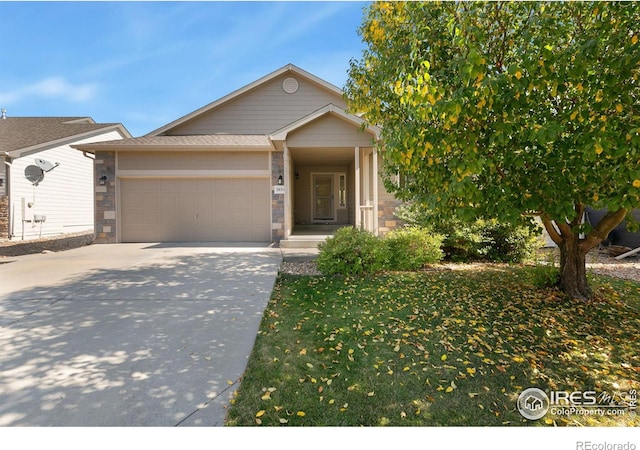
289, 68
19, 135
281, 134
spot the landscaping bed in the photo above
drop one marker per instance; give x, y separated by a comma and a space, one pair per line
52, 244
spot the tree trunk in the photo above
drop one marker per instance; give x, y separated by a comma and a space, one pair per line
573, 269
573, 250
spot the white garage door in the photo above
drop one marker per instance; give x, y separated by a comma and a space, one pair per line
188, 210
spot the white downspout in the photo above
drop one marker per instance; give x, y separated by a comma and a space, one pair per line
11, 213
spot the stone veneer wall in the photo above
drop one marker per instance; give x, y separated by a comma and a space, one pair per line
105, 197
277, 200
4, 217
387, 220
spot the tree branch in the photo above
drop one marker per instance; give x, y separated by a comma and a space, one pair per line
604, 227
577, 220
551, 229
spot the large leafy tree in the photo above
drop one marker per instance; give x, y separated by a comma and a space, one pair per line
509, 110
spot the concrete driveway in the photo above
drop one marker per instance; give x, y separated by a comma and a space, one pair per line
129, 334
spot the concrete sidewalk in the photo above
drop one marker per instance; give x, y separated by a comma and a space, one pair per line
129, 334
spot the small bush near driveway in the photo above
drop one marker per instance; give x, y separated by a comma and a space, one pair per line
353, 251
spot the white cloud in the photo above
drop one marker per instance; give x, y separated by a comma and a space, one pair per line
52, 87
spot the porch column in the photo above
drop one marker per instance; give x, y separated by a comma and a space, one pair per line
357, 188
288, 186
366, 207
375, 191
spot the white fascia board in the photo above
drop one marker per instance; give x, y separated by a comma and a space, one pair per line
281, 134
26, 151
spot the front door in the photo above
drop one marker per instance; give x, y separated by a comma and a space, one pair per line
323, 197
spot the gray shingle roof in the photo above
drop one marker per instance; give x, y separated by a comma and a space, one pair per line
209, 140
17, 133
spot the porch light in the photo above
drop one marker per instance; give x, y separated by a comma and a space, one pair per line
280, 181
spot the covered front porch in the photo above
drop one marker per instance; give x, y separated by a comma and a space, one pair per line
326, 189
329, 176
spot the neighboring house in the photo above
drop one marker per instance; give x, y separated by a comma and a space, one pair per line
56, 200
273, 160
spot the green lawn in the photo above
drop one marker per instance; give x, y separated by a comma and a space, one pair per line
442, 347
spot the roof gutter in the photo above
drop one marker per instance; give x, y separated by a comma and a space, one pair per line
21, 152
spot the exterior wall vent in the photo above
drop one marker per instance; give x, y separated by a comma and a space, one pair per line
290, 85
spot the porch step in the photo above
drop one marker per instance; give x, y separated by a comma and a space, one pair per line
303, 241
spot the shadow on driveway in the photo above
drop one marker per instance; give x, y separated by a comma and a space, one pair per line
161, 343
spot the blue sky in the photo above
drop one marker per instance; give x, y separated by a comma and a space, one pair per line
145, 64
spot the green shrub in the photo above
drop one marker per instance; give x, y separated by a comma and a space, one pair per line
484, 240
508, 243
351, 251
412, 248
462, 242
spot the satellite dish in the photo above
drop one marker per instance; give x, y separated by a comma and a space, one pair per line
45, 165
34, 174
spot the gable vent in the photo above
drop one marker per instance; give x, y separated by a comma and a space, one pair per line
290, 85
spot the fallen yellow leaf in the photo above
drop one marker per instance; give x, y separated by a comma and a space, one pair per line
598, 148
260, 413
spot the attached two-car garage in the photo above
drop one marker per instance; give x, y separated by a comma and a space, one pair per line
195, 209
207, 194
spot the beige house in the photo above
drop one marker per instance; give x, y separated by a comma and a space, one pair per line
279, 160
